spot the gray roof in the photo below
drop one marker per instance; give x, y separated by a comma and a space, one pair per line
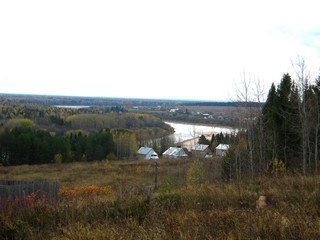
144, 150
224, 147
147, 152
200, 147
175, 152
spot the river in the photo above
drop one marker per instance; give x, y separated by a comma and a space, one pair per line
186, 131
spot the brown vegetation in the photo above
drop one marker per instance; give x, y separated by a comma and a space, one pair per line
117, 200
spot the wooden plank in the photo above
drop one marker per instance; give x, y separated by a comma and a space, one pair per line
10, 189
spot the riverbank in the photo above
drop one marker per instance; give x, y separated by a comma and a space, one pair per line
197, 123
187, 135
185, 131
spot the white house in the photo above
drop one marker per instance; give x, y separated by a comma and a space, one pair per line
174, 152
222, 149
173, 110
147, 153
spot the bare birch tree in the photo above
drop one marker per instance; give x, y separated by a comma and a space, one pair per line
303, 78
249, 114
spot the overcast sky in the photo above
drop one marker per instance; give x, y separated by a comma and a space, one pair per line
153, 49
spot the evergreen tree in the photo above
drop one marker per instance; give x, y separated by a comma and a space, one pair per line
203, 140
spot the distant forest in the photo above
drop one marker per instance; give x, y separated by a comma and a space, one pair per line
31, 134
105, 101
225, 104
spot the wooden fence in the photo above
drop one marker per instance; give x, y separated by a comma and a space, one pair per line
12, 189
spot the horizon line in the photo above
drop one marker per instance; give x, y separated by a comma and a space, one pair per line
113, 97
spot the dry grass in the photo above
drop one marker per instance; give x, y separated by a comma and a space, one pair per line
132, 173
113, 200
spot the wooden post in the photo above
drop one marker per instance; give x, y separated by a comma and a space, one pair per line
155, 175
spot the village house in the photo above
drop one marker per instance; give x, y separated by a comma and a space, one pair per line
200, 150
173, 110
174, 152
146, 153
222, 149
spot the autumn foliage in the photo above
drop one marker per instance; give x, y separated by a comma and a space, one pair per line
188, 204
88, 193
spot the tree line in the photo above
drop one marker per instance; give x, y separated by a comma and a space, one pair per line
31, 134
27, 145
61, 120
282, 135
51, 100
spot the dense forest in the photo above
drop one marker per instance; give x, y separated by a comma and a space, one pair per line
284, 135
33, 134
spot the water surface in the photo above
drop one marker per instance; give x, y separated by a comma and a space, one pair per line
186, 131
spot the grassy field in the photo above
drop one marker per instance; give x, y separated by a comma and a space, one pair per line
118, 200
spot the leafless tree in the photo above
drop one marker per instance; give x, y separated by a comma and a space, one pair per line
247, 94
303, 80
259, 97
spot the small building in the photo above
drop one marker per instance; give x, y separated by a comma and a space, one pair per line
206, 115
174, 110
175, 152
200, 150
146, 153
222, 149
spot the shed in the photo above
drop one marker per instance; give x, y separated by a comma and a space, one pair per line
146, 153
222, 149
175, 152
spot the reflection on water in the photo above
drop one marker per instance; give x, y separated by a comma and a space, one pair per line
69, 106
186, 131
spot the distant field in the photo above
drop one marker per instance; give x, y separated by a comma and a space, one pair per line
135, 173
216, 110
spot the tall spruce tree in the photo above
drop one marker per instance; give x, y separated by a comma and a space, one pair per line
270, 120
281, 122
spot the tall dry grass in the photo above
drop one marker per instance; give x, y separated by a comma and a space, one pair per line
116, 200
